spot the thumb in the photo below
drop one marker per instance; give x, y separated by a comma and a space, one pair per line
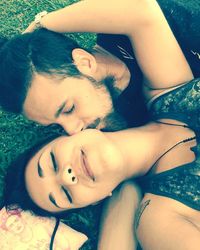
30, 28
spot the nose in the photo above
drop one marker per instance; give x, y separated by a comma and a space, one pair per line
72, 126
68, 177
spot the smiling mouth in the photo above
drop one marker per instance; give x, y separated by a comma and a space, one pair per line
86, 169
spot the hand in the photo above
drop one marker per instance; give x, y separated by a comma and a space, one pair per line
30, 28
37, 22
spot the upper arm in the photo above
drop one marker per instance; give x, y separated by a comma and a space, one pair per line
157, 51
116, 231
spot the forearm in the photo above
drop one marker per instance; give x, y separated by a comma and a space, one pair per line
98, 16
157, 51
117, 225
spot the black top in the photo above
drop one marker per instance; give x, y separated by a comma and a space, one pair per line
131, 103
183, 18
181, 183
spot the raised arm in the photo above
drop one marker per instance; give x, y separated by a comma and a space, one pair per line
156, 49
118, 218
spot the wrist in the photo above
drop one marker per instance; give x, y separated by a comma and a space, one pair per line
39, 19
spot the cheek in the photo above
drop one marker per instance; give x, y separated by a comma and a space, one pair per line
92, 103
86, 196
110, 156
103, 156
87, 107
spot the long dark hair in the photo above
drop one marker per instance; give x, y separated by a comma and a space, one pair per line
15, 191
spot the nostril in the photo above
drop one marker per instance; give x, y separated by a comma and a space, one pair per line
80, 127
73, 178
69, 170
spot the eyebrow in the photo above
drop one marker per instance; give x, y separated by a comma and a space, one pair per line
41, 174
60, 109
53, 201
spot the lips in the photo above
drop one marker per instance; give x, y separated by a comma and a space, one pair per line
86, 168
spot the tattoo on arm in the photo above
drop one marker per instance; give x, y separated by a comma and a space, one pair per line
140, 211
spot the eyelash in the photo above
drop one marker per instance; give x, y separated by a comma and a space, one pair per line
68, 195
55, 166
40, 171
70, 110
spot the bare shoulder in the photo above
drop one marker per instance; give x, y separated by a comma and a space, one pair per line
164, 223
160, 208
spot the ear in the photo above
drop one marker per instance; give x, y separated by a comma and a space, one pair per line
84, 61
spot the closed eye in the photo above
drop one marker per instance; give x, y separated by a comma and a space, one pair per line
67, 194
70, 110
40, 170
55, 166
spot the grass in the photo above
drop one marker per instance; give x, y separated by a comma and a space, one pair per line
17, 133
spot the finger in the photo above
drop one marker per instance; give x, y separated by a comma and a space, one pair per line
30, 28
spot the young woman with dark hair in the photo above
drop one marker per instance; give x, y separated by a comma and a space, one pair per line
80, 170
77, 171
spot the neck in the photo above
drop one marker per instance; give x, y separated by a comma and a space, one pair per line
109, 65
140, 147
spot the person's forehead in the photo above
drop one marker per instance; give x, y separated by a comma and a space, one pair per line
36, 187
45, 147
43, 98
